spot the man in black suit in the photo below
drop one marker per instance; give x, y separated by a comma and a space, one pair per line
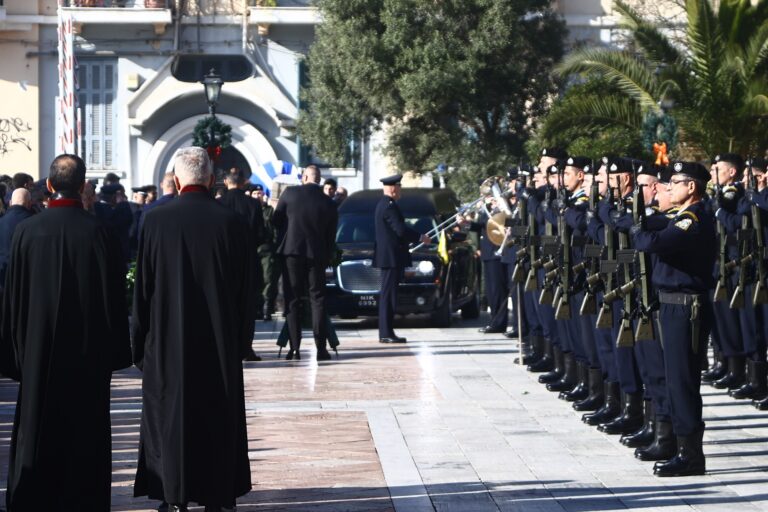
21, 209
391, 254
308, 218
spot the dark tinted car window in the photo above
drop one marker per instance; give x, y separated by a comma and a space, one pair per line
356, 228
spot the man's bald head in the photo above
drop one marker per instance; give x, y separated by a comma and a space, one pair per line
21, 197
168, 186
311, 174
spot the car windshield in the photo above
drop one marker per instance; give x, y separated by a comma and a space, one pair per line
359, 227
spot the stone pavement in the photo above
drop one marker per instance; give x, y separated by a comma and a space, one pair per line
446, 422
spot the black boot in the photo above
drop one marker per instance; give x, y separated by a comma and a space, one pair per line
664, 444
568, 380
581, 390
717, 371
631, 417
645, 435
610, 409
688, 461
735, 376
596, 397
558, 367
547, 361
761, 404
529, 350
756, 382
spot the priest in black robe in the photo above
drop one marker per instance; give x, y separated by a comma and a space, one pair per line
189, 339
64, 331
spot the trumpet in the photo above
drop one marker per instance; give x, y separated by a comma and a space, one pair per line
490, 187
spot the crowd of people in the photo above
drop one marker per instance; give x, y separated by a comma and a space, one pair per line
205, 265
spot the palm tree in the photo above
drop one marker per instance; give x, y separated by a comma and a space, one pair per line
717, 78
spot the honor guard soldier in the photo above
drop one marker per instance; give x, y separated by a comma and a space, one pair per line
729, 346
683, 276
391, 254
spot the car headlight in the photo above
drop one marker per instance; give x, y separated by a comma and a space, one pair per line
423, 268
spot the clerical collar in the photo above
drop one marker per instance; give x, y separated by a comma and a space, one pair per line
192, 188
65, 203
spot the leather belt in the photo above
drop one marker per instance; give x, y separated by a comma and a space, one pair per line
681, 299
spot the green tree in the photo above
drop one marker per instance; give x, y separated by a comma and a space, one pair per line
455, 81
716, 78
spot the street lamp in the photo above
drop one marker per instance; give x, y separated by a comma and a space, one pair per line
212, 83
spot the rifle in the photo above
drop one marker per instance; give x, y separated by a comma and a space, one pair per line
532, 281
744, 239
591, 252
562, 306
608, 267
626, 258
521, 234
644, 329
724, 266
549, 249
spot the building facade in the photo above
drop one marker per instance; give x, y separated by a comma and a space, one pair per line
136, 101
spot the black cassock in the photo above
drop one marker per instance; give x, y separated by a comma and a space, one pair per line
189, 338
64, 330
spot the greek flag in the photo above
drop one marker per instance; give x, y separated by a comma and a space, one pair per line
277, 170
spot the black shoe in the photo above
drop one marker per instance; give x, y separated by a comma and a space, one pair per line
491, 330
293, 354
596, 397
610, 409
392, 340
646, 434
664, 445
755, 386
689, 460
267, 317
735, 376
716, 372
252, 357
400, 339
177, 508
163, 507
511, 335
323, 355
631, 418
568, 380
209, 508
761, 405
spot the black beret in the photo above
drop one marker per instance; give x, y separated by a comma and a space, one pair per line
620, 165
392, 180
558, 153
758, 163
582, 162
731, 158
691, 169
648, 169
664, 174
258, 186
513, 172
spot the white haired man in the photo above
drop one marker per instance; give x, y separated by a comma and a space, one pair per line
189, 338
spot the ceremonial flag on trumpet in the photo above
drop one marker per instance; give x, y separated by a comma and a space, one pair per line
442, 247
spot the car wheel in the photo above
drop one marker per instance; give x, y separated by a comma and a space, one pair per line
441, 317
471, 309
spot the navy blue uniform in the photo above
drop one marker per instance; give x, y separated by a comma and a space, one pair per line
496, 275
391, 255
686, 250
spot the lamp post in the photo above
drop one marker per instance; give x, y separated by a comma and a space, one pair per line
212, 83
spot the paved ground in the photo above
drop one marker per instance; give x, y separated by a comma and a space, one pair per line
445, 423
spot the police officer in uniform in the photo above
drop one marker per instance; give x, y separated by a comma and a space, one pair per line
686, 249
391, 254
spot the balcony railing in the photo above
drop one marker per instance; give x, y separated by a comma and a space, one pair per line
130, 4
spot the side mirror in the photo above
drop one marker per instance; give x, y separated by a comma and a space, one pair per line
458, 236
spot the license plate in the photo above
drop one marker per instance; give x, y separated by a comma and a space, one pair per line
367, 301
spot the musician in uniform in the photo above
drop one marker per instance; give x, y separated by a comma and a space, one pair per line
686, 250
391, 254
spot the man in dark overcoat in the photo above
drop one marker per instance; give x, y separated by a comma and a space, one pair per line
189, 338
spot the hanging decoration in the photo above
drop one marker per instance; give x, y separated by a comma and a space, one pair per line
660, 135
213, 135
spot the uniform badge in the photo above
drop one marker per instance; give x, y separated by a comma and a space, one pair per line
678, 166
649, 211
684, 224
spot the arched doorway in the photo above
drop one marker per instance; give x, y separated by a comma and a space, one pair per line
249, 142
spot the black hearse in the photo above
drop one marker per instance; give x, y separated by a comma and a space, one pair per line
432, 284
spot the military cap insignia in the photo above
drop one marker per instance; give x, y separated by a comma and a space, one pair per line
587, 168
679, 166
717, 158
614, 167
544, 152
684, 224
570, 161
605, 160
